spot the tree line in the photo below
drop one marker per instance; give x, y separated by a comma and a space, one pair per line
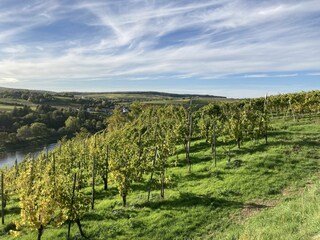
22, 125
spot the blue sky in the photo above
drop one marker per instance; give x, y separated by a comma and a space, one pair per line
234, 48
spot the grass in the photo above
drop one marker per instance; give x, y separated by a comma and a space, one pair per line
154, 98
269, 195
7, 104
121, 95
295, 219
4, 107
167, 101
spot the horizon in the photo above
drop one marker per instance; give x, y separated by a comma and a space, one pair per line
151, 91
236, 49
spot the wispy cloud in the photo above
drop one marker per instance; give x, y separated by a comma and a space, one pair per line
314, 74
8, 80
143, 40
271, 75
257, 76
287, 75
14, 49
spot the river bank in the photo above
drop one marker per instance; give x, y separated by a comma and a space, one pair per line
8, 157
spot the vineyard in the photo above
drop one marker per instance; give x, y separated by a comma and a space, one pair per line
169, 172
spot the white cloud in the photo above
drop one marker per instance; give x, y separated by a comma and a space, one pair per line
314, 74
287, 75
257, 76
8, 80
271, 75
14, 49
138, 40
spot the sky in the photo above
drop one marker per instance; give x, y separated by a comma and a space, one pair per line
233, 48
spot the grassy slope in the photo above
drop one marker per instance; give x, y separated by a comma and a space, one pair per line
4, 107
142, 95
122, 99
298, 215
215, 203
120, 95
154, 98
195, 101
7, 104
296, 219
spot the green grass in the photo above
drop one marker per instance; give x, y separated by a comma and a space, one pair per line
295, 219
120, 95
153, 98
195, 101
4, 107
7, 104
268, 196
167, 101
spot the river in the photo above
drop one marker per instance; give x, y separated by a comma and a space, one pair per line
8, 158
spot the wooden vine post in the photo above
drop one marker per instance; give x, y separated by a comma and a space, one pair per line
151, 176
154, 159
2, 199
16, 168
266, 119
93, 176
213, 146
72, 202
162, 181
107, 169
189, 136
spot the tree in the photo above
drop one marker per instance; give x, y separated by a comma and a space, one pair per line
72, 124
39, 130
24, 132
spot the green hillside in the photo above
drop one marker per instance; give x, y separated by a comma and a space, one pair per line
245, 200
227, 170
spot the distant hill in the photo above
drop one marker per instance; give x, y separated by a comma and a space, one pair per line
2, 89
119, 94
10, 97
146, 94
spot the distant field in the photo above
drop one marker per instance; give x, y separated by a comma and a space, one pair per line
204, 101
195, 101
154, 98
66, 100
6, 107
142, 95
119, 96
12, 101
7, 104
63, 102
166, 101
